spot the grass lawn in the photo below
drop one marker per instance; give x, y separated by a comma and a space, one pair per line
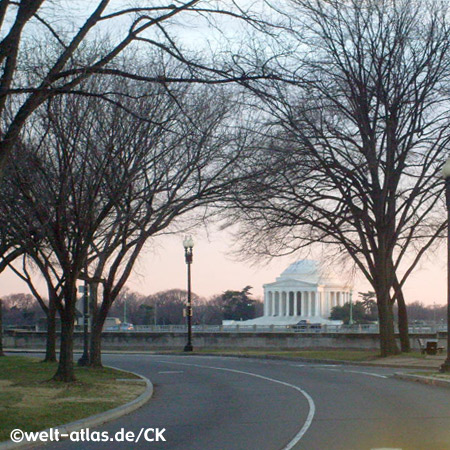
338, 355
31, 402
412, 354
331, 354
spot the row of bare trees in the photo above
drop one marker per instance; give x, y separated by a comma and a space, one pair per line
106, 140
335, 138
91, 182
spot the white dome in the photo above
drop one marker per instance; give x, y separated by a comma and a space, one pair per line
308, 270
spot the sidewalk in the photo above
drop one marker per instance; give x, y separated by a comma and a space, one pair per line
427, 369
429, 362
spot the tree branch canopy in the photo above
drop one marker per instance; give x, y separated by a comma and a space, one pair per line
47, 49
352, 151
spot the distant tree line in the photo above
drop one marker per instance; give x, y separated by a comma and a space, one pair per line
161, 308
417, 311
20, 309
166, 308
364, 311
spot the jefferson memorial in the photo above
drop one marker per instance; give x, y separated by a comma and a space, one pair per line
304, 291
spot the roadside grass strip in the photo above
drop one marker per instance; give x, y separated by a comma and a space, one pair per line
338, 355
31, 401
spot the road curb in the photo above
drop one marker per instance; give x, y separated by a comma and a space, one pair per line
423, 379
236, 355
309, 360
95, 420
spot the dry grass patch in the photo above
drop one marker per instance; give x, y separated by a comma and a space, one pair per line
330, 354
29, 400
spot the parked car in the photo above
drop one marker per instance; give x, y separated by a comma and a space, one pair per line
121, 327
305, 325
111, 322
301, 325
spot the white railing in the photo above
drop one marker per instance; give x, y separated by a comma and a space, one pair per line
242, 328
307, 328
422, 328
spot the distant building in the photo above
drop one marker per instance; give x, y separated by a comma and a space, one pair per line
304, 291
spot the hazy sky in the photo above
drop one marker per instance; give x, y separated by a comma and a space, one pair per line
163, 267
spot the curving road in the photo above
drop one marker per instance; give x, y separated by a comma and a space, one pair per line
213, 403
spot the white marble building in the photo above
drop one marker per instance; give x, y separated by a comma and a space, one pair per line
304, 291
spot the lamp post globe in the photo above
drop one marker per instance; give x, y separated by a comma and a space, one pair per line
446, 175
188, 244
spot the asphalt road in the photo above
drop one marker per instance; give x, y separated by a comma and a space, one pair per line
213, 403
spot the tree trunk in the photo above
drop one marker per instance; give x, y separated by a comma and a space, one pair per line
50, 351
384, 276
388, 346
403, 324
65, 368
96, 345
1, 329
402, 317
98, 320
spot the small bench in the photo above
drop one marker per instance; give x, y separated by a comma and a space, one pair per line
429, 347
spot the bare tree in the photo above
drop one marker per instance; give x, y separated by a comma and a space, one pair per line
48, 48
34, 264
10, 249
355, 141
63, 197
22, 241
169, 306
1, 328
192, 166
99, 183
208, 311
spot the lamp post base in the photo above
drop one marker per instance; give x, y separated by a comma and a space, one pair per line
188, 347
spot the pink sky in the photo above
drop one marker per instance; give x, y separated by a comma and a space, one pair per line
214, 271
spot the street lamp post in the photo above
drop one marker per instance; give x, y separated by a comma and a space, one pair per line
84, 360
350, 321
446, 174
188, 245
